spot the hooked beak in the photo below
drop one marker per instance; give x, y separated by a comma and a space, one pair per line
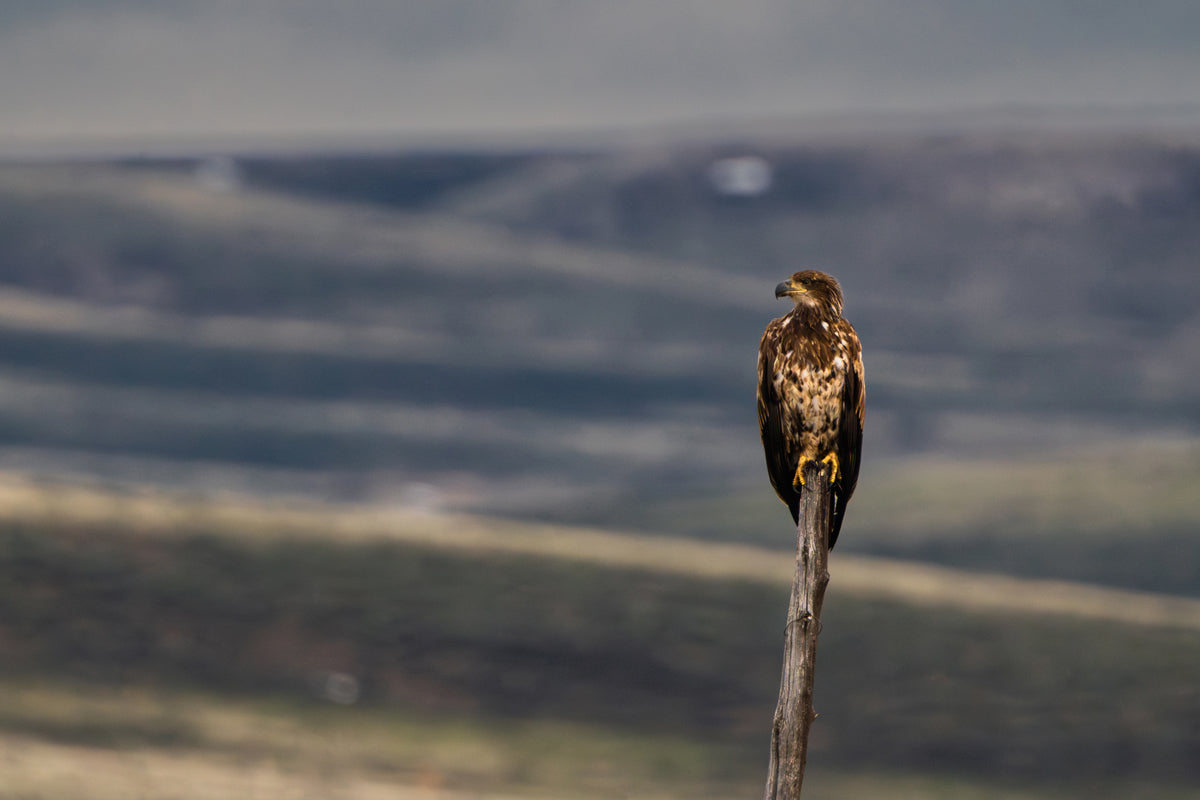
786, 289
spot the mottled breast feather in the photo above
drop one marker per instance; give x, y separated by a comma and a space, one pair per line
811, 401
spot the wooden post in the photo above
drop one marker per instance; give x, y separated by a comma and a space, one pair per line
794, 713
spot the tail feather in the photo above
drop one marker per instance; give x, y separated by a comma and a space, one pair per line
836, 515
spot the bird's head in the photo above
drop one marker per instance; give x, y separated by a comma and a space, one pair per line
813, 289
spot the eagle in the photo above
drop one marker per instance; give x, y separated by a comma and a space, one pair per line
811, 394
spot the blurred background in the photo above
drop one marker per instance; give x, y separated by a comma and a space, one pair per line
377, 396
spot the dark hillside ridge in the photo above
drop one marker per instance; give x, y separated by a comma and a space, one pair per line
571, 335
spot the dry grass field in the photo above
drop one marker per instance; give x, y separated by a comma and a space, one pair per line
163, 646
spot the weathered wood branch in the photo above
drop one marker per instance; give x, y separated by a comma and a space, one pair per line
794, 712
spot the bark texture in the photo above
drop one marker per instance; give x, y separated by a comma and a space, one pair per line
794, 712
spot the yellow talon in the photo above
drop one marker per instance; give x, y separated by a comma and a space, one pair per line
831, 460
798, 480
834, 464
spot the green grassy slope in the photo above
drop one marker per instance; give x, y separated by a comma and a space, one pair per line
1122, 511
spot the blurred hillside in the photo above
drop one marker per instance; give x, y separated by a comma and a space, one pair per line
162, 647
245, 401
570, 335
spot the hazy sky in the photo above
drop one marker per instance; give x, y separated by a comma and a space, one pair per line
147, 70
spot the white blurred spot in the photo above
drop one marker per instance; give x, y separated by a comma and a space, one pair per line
218, 174
341, 688
741, 176
421, 497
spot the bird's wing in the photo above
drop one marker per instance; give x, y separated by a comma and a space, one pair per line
770, 420
849, 442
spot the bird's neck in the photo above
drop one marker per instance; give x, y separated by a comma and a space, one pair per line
811, 316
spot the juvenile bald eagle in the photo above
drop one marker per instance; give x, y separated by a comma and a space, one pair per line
811, 394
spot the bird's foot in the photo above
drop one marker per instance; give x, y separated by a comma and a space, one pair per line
831, 460
798, 478
834, 465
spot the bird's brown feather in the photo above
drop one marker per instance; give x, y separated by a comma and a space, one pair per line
811, 394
